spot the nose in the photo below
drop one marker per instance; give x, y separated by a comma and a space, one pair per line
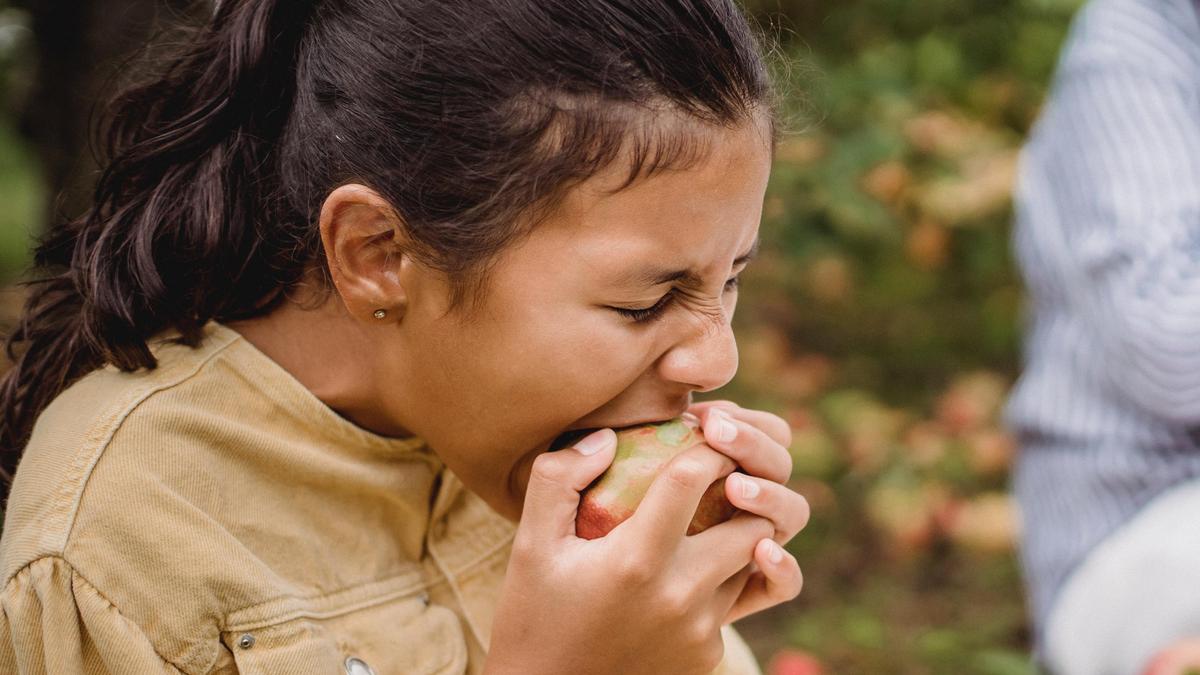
706, 359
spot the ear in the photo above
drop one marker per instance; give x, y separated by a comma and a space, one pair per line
363, 240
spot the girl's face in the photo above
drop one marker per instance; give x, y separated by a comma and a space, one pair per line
548, 350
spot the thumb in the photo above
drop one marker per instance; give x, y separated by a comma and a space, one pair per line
555, 481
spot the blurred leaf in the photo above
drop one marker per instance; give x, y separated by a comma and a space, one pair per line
864, 630
1003, 662
21, 195
938, 62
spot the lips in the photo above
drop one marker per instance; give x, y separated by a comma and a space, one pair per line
569, 437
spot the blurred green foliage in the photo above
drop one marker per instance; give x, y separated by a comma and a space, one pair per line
883, 323
20, 190
21, 196
889, 213
881, 319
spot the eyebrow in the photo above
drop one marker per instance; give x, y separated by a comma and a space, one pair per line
656, 275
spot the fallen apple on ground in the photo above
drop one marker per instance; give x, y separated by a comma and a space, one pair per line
642, 452
795, 662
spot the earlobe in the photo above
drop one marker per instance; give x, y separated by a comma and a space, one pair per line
362, 238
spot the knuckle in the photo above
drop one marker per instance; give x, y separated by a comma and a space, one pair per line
696, 632
713, 651
548, 468
764, 528
803, 514
798, 584
676, 600
789, 587
788, 462
525, 551
635, 570
687, 473
783, 429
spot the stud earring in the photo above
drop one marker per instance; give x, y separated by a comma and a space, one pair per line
380, 313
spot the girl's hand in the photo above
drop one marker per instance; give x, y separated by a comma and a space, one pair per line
643, 599
758, 443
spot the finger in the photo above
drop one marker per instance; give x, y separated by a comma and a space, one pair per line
784, 507
1177, 659
700, 410
769, 423
753, 450
727, 547
775, 583
704, 405
662, 517
555, 481
731, 589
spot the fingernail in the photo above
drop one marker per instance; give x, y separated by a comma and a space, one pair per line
690, 420
749, 488
596, 441
726, 432
775, 554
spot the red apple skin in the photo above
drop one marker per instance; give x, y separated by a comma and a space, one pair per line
641, 454
794, 662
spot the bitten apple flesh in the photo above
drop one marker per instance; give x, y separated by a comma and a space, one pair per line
642, 452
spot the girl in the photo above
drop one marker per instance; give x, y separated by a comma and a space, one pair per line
352, 267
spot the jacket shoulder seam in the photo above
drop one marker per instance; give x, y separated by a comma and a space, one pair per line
98, 438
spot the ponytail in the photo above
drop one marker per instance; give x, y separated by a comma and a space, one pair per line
173, 236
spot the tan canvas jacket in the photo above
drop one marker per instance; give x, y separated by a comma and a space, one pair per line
214, 516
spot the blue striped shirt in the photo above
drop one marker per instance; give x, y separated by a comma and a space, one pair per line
1107, 235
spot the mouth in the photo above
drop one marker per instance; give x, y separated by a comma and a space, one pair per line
569, 437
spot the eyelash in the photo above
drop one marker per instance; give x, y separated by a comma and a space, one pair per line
647, 314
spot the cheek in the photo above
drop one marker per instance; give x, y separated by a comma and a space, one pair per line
590, 354
563, 367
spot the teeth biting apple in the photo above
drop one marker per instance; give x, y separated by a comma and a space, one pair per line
642, 452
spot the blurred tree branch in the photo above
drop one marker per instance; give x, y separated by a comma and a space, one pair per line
81, 52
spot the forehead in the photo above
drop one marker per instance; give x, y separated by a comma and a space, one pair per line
701, 215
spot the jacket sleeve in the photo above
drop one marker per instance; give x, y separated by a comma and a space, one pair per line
53, 621
1113, 167
739, 660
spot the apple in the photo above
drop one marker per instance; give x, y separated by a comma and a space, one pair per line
642, 452
794, 662
988, 522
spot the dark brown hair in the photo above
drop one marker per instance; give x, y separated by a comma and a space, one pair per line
468, 116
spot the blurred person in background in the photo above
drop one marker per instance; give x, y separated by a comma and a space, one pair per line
1107, 409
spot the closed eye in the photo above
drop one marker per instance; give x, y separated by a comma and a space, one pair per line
648, 314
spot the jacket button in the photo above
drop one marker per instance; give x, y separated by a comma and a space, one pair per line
425, 599
246, 641
356, 666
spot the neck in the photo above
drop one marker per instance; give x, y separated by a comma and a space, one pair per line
327, 352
